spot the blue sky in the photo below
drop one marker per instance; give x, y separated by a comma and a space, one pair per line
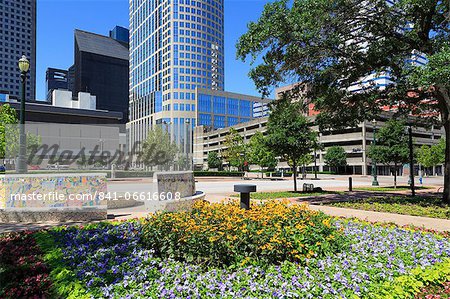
57, 20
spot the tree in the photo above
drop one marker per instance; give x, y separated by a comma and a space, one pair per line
330, 46
336, 157
235, 154
259, 154
289, 132
391, 147
430, 156
214, 161
7, 117
158, 149
304, 161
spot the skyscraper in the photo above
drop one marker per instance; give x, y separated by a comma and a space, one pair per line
17, 38
101, 68
175, 47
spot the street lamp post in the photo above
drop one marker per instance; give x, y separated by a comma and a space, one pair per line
374, 162
411, 161
315, 155
24, 66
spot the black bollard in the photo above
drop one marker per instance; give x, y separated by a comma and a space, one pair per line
245, 191
350, 184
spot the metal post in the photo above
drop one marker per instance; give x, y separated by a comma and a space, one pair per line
21, 161
245, 191
411, 162
350, 184
315, 164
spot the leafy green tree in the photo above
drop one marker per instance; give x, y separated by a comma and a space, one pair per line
259, 153
214, 161
158, 149
336, 157
289, 132
304, 161
331, 45
430, 156
236, 150
391, 147
7, 117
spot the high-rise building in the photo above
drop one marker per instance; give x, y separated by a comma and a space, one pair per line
176, 47
120, 34
17, 38
101, 68
55, 79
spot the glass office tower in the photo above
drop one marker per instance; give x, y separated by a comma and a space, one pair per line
17, 38
176, 46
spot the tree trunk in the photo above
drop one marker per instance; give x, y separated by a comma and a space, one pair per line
294, 165
443, 96
447, 162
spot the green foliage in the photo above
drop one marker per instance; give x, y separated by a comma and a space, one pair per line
158, 149
7, 117
65, 284
236, 151
405, 205
309, 41
391, 146
219, 173
214, 161
226, 235
289, 132
259, 153
407, 286
284, 194
429, 156
336, 157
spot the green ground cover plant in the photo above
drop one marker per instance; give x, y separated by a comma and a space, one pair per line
285, 194
406, 205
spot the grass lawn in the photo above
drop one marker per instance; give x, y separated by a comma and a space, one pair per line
417, 206
390, 188
284, 194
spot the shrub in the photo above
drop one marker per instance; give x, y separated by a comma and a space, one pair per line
224, 234
219, 173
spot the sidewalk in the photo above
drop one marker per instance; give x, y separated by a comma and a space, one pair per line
429, 223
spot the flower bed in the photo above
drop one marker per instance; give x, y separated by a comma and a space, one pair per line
115, 260
435, 292
224, 234
22, 271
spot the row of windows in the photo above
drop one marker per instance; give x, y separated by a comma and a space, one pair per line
183, 107
219, 121
222, 105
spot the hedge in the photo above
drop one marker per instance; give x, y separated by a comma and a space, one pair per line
219, 173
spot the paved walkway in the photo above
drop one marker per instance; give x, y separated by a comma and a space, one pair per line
137, 212
429, 223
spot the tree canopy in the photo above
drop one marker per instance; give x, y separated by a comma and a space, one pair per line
336, 48
158, 149
236, 151
7, 117
429, 156
336, 157
391, 146
289, 132
214, 161
259, 153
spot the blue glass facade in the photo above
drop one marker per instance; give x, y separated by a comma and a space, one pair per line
224, 110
